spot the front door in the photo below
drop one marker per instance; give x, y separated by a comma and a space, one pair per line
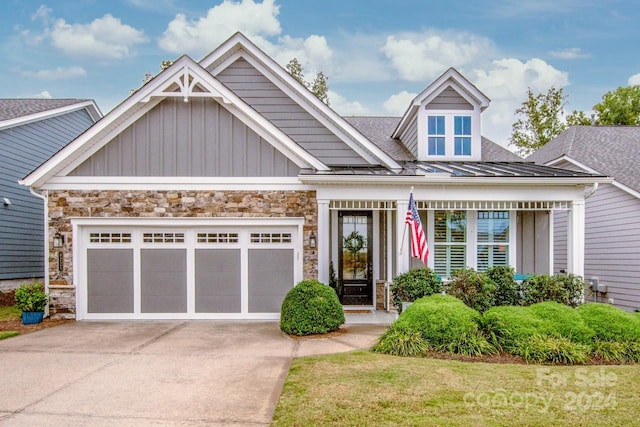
355, 252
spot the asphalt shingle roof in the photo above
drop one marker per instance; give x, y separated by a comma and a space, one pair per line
379, 130
14, 108
611, 150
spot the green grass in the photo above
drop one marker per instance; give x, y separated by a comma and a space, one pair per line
364, 388
8, 334
10, 313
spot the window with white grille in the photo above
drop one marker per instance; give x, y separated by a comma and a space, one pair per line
110, 237
270, 237
217, 237
163, 237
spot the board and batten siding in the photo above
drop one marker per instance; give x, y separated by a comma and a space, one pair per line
532, 246
449, 99
22, 149
612, 244
266, 98
199, 138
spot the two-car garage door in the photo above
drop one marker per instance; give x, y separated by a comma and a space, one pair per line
189, 272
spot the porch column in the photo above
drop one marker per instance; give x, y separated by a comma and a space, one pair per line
323, 241
403, 246
575, 238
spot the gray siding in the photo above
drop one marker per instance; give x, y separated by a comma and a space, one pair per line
449, 99
612, 244
267, 99
560, 223
22, 149
198, 138
410, 137
532, 246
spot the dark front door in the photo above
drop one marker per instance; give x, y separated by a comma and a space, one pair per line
355, 251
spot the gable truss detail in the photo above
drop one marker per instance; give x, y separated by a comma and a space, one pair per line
187, 84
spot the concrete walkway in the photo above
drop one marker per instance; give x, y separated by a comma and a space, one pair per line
155, 373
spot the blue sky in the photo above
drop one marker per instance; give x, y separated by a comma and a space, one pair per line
377, 54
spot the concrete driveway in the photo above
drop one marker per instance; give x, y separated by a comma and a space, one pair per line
154, 373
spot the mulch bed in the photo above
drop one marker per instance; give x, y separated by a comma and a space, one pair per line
6, 298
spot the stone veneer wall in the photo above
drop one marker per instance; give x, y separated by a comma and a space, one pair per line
64, 205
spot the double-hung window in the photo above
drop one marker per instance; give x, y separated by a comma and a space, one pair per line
436, 132
450, 242
462, 135
493, 239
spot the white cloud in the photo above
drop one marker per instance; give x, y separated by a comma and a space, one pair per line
255, 20
570, 53
506, 83
422, 56
42, 95
56, 73
344, 107
397, 104
103, 38
634, 80
313, 53
43, 14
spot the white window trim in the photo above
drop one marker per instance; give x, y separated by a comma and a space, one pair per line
423, 142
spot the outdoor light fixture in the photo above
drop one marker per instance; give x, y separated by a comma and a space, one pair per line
312, 240
58, 240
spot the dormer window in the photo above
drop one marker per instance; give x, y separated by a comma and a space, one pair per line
436, 135
449, 135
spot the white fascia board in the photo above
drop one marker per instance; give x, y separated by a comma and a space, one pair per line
448, 179
187, 222
285, 82
90, 105
586, 168
176, 183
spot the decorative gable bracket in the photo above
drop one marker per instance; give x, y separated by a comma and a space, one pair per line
186, 84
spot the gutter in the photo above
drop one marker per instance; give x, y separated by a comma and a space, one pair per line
593, 190
44, 196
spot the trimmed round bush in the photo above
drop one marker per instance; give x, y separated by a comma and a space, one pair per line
507, 289
610, 323
473, 288
414, 284
562, 321
507, 326
446, 324
311, 308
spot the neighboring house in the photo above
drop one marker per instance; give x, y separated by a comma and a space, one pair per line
218, 185
612, 237
31, 131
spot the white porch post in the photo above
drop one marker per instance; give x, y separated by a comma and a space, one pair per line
575, 238
402, 247
323, 241
551, 241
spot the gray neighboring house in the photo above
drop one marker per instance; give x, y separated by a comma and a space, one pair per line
612, 220
31, 131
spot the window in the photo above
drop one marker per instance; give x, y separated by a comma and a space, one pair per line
450, 241
217, 237
493, 239
163, 237
110, 237
270, 237
436, 135
462, 135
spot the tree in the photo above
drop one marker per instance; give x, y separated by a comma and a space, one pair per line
619, 107
578, 118
318, 87
540, 120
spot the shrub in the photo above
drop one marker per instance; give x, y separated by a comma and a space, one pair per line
565, 289
507, 289
473, 288
31, 297
547, 349
609, 351
562, 321
446, 324
507, 326
311, 308
401, 340
414, 284
610, 323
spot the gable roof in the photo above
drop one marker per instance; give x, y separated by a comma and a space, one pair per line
239, 45
19, 111
610, 150
450, 78
185, 78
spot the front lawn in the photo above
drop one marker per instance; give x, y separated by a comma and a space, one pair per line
364, 388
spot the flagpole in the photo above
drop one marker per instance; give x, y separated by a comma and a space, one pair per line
404, 231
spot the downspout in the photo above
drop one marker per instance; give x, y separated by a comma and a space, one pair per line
44, 197
593, 190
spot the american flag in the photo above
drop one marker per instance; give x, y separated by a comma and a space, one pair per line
419, 248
